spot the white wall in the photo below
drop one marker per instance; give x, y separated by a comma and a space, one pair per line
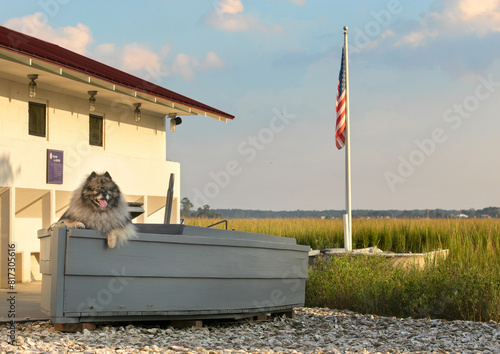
128, 145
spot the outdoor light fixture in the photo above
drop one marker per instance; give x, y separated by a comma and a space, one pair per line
32, 84
92, 100
137, 112
174, 121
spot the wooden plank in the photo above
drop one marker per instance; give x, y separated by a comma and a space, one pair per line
231, 234
288, 313
186, 324
170, 315
43, 233
259, 317
97, 294
201, 240
45, 296
45, 263
74, 327
58, 257
86, 256
171, 229
169, 199
188, 230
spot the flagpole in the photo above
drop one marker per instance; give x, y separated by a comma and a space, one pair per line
348, 229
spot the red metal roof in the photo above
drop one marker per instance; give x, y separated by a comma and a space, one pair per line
36, 48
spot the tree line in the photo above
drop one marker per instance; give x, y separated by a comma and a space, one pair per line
205, 211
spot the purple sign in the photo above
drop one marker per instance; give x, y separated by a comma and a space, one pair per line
55, 166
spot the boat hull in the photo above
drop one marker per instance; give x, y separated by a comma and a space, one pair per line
169, 272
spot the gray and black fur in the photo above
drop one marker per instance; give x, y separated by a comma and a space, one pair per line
98, 204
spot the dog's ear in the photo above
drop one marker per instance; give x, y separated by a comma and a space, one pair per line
106, 174
92, 175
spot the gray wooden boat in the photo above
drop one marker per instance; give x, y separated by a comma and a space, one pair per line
170, 272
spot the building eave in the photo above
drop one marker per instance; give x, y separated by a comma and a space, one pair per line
49, 58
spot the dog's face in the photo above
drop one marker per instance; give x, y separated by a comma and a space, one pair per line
100, 192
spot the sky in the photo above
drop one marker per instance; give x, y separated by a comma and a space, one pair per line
424, 94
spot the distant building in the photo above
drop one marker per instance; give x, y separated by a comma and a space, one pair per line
63, 116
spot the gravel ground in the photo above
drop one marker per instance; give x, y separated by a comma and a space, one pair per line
312, 330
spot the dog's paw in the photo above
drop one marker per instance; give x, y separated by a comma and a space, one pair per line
111, 241
71, 224
79, 225
56, 224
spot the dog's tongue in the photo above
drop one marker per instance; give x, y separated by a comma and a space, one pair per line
103, 203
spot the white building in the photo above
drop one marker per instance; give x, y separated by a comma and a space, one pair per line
50, 141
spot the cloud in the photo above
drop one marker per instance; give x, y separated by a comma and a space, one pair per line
416, 38
144, 62
76, 39
481, 17
135, 58
458, 18
166, 50
448, 37
213, 60
295, 2
228, 16
472, 9
185, 65
105, 49
452, 21
230, 6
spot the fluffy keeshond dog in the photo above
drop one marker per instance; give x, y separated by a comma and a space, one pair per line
98, 204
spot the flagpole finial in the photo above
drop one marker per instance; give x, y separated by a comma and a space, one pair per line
345, 28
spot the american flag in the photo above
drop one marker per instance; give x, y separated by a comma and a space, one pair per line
340, 107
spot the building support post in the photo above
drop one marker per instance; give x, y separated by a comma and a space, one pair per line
7, 215
142, 219
48, 208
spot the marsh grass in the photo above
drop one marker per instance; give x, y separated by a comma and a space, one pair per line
465, 286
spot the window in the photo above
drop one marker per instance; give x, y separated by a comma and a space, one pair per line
37, 118
95, 130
